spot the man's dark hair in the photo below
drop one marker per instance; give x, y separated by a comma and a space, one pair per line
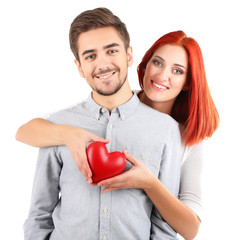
93, 19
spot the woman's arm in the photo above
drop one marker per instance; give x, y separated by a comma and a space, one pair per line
41, 133
180, 217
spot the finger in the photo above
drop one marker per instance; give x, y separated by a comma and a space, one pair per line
109, 189
109, 182
77, 160
130, 158
82, 154
81, 168
99, 139
93, 184
114, 181
82, 165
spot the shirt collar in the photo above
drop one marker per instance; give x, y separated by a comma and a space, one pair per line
124, 110
129, 107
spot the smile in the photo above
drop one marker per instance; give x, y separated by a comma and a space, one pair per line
106, 75
159, 86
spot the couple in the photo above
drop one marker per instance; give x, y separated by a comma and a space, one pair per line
160, 193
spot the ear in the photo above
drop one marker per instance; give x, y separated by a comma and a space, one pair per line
130, 56
79, 68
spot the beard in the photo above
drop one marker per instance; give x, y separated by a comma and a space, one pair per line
112, 91
115, 89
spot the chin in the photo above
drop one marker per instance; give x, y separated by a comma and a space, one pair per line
153, 96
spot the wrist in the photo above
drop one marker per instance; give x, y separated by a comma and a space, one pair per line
65, 132
151, 183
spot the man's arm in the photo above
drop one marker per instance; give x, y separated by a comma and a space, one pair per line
45, 195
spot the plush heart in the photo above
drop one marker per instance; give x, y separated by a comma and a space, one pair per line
104, 164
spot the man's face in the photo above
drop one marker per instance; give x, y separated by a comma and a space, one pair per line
104, 60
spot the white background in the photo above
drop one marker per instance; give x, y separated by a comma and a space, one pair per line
38, 76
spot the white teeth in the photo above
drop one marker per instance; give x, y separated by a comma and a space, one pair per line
159, 86
105, 76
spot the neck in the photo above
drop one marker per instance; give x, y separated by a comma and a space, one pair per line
164, 107
114, 100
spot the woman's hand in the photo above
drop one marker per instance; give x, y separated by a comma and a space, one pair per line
138, 176
76, 140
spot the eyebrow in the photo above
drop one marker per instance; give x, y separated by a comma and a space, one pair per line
176, 64
179, 65
105, 47
89, 51
111, 45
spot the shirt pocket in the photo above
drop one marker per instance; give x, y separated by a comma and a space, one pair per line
150, 156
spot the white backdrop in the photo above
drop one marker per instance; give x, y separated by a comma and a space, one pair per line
38, 76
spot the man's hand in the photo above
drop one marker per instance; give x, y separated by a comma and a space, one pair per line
76, 140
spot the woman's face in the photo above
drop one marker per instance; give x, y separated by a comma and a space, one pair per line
165, 74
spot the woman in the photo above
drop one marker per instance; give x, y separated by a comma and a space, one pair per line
173, 81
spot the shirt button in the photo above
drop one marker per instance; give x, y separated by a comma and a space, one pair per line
143, 156
111, 126
103, 110
104, 238
105, 210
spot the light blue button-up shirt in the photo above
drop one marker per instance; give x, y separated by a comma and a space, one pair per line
65, 206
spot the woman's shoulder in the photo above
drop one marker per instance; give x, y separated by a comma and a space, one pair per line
191, 148
194, 152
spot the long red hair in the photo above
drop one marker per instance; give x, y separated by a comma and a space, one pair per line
194, 107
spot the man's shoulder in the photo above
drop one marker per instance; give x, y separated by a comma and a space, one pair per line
68, 112
159, 127
156, 116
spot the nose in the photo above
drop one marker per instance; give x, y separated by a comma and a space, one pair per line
164, 74
103, 63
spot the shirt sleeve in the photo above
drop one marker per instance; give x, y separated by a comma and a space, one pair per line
48, 115
190, 192
45, 196
170, 177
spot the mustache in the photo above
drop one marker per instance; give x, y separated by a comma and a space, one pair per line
108, 70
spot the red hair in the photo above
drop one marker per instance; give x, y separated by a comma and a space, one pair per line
194, 107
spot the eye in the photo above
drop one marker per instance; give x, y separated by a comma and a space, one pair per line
112, 51
177, 71
157, 63
90, 57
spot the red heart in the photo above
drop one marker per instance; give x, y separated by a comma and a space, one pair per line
104, 164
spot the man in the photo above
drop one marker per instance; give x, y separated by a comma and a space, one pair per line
64, 205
